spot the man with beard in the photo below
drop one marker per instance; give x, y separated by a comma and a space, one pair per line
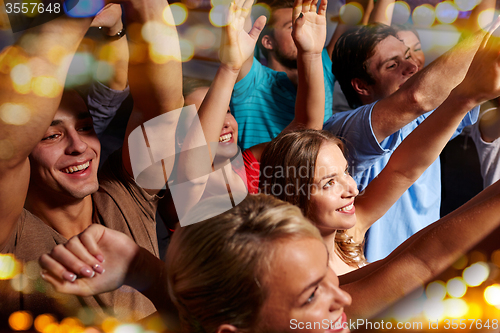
263, 100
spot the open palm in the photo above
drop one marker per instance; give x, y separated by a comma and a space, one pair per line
309, 28
237, 45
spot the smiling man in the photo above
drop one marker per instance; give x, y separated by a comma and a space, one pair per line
50, 189
390, 98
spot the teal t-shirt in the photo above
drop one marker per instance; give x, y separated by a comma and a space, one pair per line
263, 102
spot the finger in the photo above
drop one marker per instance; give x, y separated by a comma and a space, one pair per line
90, 238
257, 27
299, 22
322, 7
63, 286
75, 246
72, 263
314, 6
54, 268
297, 9
306, 6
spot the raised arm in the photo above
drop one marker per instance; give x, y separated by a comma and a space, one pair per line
423, 256
424, 144
24, 118
309, 35
425, 90
155, 84
195, 164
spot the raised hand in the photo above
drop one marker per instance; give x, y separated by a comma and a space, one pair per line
236, 44
482, 81
309, 26
95, 261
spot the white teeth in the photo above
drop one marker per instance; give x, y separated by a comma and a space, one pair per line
346, 208
76, 168
226, 137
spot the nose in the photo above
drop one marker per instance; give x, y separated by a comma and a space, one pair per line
75, 145
340, 298
410, 68
349, 186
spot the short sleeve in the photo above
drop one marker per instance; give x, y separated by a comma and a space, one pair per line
244, 87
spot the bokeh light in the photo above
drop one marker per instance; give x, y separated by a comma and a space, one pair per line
466, 5
45, 86
351, 13
216, 3
492, 295
85, 8
43, 320
456, 287
20, 320
434, 309
21, 283
187, 49
446, 12
455, 308
129, 328
204, 38
14, 114
260, 9
9, 267
21, 74
495, 256
476, 274
104, 71
401, 13
219, 16
424, 16
109, 324
461, 263
32, 10
178, 15
485, 17
436, 290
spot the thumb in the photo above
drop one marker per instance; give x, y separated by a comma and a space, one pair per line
257, 27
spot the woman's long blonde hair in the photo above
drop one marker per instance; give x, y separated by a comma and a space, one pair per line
216, 267
288, 162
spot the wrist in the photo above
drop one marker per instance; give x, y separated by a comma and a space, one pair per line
231, 69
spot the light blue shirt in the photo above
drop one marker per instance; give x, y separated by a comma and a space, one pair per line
419, 206
263, 102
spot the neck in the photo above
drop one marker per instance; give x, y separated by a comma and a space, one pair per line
277, 66
68, 217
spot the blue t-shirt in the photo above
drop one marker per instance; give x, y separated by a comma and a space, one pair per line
419, 206
263, 102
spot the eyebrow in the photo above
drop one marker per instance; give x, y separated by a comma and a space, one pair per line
327, 176
286, 23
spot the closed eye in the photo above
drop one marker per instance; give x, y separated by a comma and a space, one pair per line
311, 298
51, 137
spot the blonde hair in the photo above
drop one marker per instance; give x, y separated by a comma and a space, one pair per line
216, 267
298, 150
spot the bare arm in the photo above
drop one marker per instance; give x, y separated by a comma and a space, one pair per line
423, 256
309, 34
155, 85
423, 146
425, 90
26, 117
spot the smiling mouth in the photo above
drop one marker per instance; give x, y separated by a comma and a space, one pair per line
225, 138
346, 208
76, 168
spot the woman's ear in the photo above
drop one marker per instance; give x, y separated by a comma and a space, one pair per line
226, 328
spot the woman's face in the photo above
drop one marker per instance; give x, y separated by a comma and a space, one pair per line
333, 192
302, 291
412, 41
228, 138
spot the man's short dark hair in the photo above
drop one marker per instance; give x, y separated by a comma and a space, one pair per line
351, 52
274, 5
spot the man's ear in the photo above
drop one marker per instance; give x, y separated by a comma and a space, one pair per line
226, 328
267, 42
361, 87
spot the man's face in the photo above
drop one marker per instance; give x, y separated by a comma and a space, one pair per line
65, 161
284, 47
390, 67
